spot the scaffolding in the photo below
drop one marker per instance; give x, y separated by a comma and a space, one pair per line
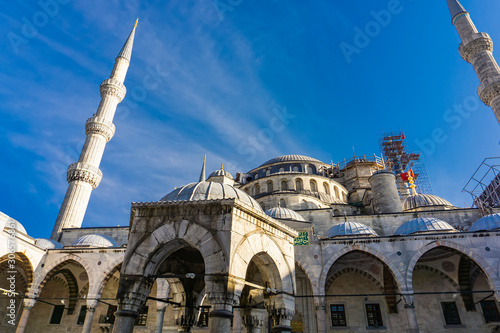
399, 159
484, 185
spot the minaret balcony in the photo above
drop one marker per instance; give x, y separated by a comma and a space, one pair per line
111, 87
84, 172
489, 89
474, 44
101, 126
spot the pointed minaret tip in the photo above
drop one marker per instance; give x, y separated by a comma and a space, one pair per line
126, 51
455, 8
202, 174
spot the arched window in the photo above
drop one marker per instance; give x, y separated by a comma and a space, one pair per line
336, 212
247, 191
282, 203
257, 189
295, 169
313, 185
268, 172
309, 169
326, 187
270, 186
336, 189
282, 170
298, 184
284, 185
344, 196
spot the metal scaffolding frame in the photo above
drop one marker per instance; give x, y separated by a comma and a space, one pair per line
399, 159
484, 185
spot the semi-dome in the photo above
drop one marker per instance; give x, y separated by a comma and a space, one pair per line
10, 222
424, 225
210, 191
417, 201
221, 173
48, 244
284, 214
95, 240
290, 158
486, 223
350, 229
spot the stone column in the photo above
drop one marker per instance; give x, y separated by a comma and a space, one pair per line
319, 303
132, 295
221, 312
409, 301
237, 320
89, 317
28, 303
163, 291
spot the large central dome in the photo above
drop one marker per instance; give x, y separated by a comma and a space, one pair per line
210, 191
290, 158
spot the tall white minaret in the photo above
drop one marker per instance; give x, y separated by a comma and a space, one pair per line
477, 49
84, 176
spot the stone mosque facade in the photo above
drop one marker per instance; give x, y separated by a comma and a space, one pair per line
294, 245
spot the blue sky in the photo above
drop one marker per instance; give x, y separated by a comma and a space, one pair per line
225, 70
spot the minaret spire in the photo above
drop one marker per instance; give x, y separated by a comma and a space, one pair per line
477, 49
84, 175
202, 174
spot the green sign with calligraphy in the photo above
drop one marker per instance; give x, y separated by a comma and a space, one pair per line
303, 239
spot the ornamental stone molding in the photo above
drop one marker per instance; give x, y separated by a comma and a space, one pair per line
113, 88
84, 172
101, 126
475, 44
489, 90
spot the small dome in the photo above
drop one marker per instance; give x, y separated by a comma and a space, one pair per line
210, 191
291, 158
48, 244
486, 223
95, 240
423, 225
284, 214
424, 200
221, 173
350, 229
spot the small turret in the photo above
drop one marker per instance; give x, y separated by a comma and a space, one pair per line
385, 193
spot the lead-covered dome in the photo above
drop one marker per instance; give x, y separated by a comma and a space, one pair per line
284, 214
424, 225
221, 173
210, 191
95, 240
290, 158
486, 223
425, 202
48, 244
350, 229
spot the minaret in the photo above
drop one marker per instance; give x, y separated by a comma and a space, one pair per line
477, 49
84, 176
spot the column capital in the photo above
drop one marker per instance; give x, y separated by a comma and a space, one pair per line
29, 303
409, 301
92, 304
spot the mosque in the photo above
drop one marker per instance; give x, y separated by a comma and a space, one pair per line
293, 245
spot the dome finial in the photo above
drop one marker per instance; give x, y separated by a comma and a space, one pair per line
136, 21
222, 166
202, 174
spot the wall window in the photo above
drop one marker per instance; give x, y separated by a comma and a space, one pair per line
304, 205
309, 169
299, 185
373, 315
282, 203
268, 172
313, 185
109, 318
490, 311
142, 318
81, 316
450, 312
336, 189
57, 314
326, 187
284, 185
282, 170
295, 169
270, 186
257, 189
344, 197
338, 315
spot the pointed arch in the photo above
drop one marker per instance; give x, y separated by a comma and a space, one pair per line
45, 273
399, 279
459, 249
